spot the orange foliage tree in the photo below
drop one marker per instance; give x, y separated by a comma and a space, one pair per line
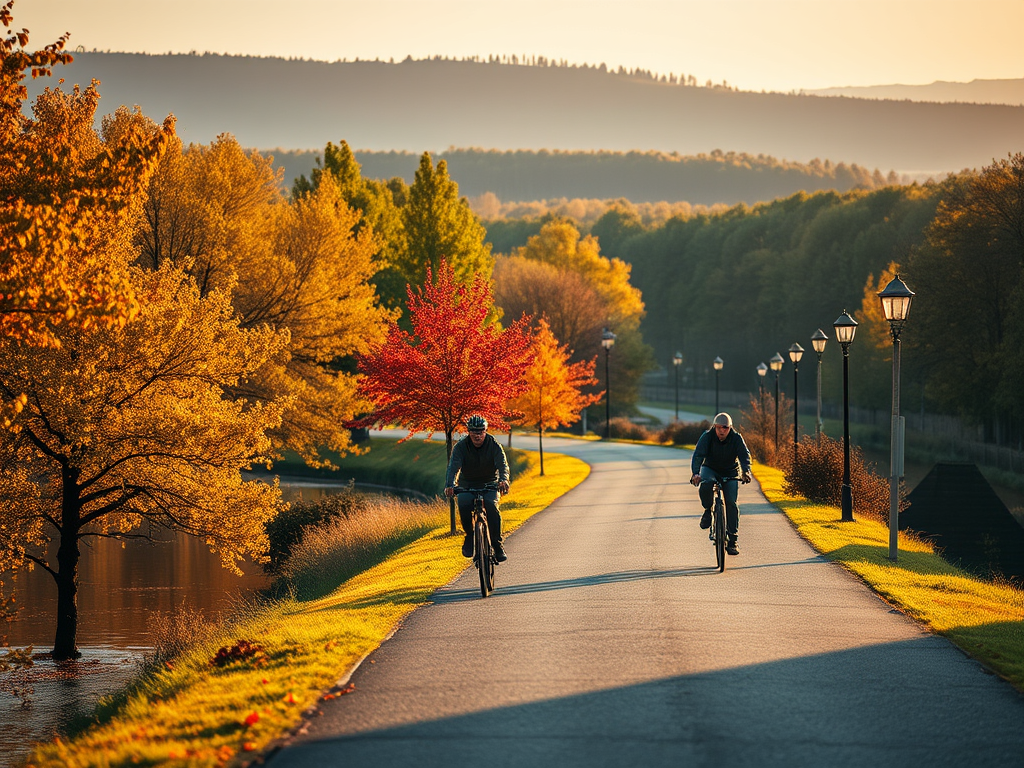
454, 363
553, 397
68, 200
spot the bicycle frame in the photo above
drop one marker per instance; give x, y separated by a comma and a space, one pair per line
483, 554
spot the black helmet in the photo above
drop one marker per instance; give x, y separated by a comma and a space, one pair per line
476, 423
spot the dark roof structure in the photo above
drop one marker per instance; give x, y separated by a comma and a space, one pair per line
956, 507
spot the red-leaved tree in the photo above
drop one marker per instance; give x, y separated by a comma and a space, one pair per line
455, 363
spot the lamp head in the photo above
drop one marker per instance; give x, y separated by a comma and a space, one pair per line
719, 363
762, 369
896, 300
795, 353
607, 339
677, 360
846, 328
818, 341
776, 362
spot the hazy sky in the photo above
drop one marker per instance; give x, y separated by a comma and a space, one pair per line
754, 44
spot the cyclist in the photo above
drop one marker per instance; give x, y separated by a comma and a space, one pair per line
476, 460
721, 455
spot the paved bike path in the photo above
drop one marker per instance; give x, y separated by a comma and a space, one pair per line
613, 641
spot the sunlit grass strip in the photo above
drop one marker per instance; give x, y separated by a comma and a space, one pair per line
197, 714
983, 618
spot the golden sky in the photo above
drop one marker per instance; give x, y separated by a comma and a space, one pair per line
777, 45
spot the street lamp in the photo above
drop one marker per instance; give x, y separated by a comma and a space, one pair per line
846, 329
762, 369
776, 363
795, 353
719, 363
818, 342
607, 341
896, 300
677, 361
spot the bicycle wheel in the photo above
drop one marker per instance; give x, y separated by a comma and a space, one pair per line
720, 534
483, 557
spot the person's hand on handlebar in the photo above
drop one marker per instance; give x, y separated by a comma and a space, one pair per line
449, 491
503, 487
695, 480
747, 477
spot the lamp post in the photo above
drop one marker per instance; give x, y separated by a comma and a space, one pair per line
846, 329
895, 300
607, 341
719, 363
795, 353
677, 361
762, 369
776, 363
818, 342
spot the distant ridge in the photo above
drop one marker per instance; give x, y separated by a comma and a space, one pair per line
975, 92
437, 104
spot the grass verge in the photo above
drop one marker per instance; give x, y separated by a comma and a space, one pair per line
984, 618
280, 658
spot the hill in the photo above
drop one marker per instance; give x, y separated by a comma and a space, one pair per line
636, 176
974, 92
436, 104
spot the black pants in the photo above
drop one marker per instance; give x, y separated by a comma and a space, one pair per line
465, 501
730, 487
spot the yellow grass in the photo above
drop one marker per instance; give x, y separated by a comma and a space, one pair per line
197, 714
983, 618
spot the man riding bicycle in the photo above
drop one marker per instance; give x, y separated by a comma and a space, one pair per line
721, 456
477, 460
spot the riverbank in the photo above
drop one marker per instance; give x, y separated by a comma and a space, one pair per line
284, 655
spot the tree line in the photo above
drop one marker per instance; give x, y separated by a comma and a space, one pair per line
701, 179
748, 282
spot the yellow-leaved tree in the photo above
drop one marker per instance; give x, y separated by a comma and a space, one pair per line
302, 266
65, 196
554, 395
131, 426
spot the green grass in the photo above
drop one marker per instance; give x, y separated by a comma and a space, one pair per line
189, 712
415, 464
984, 618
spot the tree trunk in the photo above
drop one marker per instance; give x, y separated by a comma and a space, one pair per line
540, 444
65, 643
449, 443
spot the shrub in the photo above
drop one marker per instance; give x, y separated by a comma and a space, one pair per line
176, 632
757, 425
818, 477
622, 428
683, 432
286, 528
346, 545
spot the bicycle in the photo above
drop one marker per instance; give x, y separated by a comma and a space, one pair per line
481, 537
718, 528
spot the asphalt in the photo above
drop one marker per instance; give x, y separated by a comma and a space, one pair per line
612, 640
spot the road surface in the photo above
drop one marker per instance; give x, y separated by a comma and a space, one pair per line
612, 641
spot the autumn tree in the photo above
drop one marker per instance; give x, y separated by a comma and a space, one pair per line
967, 325
560, 247
67, 195
554, 396
454, 363
375, 202
303, 266
129, 427
440, 226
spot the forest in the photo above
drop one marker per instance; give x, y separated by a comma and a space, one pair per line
744, 283
703, 179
